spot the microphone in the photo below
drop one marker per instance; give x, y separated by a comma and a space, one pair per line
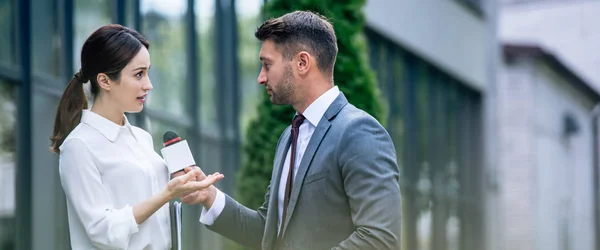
176, 152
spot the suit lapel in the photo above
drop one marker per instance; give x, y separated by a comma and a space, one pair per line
313, 145
272, 211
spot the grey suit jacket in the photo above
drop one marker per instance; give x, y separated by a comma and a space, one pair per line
345, 195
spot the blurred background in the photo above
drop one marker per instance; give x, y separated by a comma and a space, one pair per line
492, 105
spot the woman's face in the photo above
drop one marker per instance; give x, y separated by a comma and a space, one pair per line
129, 93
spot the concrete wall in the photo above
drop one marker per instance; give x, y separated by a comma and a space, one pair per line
515, 155
567, 28
546, 177
445, 33
564, 168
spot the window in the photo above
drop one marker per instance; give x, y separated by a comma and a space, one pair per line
7, 164
251, 93
46, 54
89, 16
207, 103
163, 24
432, 119
8, 38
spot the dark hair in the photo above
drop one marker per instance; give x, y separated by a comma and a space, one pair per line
108, 50
302, 30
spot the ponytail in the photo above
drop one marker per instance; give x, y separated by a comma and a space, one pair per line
68, 115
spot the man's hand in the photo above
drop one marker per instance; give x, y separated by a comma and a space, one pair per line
185, 184
206, 196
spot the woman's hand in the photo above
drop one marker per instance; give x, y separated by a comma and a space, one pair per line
187, 183
206, 196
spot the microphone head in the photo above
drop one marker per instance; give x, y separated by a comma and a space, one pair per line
170, 138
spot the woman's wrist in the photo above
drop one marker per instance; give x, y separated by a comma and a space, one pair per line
166, 196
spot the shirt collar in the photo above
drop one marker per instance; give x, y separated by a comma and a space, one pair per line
315, 111
106, 127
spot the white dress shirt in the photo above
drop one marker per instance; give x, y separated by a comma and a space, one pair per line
313, 113
105, 169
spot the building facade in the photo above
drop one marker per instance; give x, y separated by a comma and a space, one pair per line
549, 85
435, 62
546, 152
431, 60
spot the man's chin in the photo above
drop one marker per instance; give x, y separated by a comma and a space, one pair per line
276, 101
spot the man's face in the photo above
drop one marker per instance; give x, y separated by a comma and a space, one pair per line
276, 74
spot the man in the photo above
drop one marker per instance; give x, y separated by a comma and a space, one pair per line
342, 191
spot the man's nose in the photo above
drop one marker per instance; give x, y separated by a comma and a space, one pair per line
262, 78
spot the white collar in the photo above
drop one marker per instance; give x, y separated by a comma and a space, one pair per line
315, 111
106, 127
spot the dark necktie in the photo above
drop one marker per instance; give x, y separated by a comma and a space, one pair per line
298, 119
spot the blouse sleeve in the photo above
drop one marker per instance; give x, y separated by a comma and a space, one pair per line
105, 225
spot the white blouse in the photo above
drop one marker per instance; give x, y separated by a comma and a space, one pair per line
105, 169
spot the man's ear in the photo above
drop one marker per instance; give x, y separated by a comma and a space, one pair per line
304, 63
104, 81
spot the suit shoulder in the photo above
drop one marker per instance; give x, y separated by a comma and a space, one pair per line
351, 115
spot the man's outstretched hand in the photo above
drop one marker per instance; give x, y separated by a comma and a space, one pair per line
205, 196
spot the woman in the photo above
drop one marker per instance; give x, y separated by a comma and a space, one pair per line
117, 186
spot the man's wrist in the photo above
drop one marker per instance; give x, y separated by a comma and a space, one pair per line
212, 196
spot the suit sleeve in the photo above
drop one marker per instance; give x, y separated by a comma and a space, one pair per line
367, 159
241, 224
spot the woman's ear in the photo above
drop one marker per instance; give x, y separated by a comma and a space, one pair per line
104, 81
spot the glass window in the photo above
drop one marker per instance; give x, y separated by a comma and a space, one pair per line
396, 109
49, 206
424, 165
379, 61
431, 120
8, 38
131, 7
45, 52
163, 24
248, 17
458, 196
89, 16
7, 164
205, 22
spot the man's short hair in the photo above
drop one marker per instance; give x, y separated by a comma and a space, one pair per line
302, 30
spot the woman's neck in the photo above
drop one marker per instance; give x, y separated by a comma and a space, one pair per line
107, 111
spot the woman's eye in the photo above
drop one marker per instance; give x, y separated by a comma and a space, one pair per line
139, 74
